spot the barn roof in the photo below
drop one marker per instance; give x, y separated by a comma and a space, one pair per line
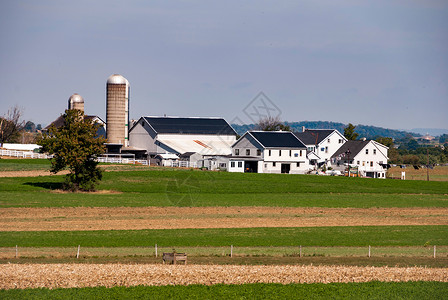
214, 126
277, 139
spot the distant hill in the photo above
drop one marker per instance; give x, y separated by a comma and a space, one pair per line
369, 132
430, 131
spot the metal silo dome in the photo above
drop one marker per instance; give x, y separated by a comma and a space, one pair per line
76, 102
76, 98
117, 79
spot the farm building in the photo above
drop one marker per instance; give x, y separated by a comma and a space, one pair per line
269, 152
369, 157
205, 136
321, 144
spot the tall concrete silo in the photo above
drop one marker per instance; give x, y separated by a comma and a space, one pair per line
76, 102
117, 110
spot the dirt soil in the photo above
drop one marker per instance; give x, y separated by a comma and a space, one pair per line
22, 276
128, 218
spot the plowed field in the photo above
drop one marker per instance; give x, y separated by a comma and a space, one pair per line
126, 218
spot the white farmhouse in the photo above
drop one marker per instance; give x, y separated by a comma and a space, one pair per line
160, 135
370, 157
321, 144
269, 152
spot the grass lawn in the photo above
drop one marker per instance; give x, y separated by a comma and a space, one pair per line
369, 290
198, 188
24, 164
239, 237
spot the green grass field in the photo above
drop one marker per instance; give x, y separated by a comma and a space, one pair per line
198, 188
243, 237
369, 290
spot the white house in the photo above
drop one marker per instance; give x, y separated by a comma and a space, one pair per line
323, 143
269, 152
370, 157
158, 135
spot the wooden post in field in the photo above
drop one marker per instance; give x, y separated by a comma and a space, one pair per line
300, 251
77, 254
434, 251
156, 250
369, 250
17, 251
231, 250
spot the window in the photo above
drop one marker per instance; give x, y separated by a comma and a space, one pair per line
367, 151
232, 164
290, 152
326, 149
357, 162
340, 141
328, 141
273, 164
237, 151
269, 152
222, 165
298, 164
322, 149
371, 163
300, 152
258, 152
143, 123
363, 163
265, 166
296, 154
374, 151
247, 152
279, 152
240, 164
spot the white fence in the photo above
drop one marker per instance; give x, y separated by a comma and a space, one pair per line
23, 154
105, 159
178, 163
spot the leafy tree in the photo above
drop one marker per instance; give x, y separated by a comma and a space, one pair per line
30, 126
39, 127
443, 138
272, 124
411, 159
386, 141
75, 146
10, 125
349, 132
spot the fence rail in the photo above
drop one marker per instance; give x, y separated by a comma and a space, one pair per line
230, 250
24, 154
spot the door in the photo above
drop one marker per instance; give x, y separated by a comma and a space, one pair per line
285, 168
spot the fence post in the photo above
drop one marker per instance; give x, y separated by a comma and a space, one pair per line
300, 252
369, 250
156, 250
77, 254
17, 251
434, 251
231, 250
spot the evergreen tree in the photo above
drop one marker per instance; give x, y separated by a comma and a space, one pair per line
349, 132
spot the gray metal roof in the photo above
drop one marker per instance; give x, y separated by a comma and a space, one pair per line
354, 146
277, 139
313, 136
215, 126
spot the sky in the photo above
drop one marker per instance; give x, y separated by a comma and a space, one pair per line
381, 63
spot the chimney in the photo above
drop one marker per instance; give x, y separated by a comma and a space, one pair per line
303, 128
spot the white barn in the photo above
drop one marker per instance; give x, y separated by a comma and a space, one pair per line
159, 135
370, 157
269, 152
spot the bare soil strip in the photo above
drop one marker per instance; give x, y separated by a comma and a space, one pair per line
20, 276
128, 218
34, 173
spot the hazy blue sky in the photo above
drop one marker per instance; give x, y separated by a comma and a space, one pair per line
381, 62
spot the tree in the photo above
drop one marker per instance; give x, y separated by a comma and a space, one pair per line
30, 126
272, 124
75, 146
10, 125
386, 141
349, 132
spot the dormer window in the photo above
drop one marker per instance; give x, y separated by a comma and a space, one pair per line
374, 151
248, 152
367, 151
237, 151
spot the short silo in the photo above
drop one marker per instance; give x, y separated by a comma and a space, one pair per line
76, 102
117, 110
